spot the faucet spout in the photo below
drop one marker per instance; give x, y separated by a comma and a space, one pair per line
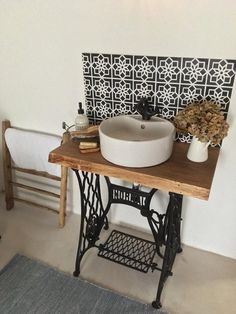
145, 109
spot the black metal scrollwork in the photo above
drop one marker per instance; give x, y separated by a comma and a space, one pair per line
122, 248
93, 214
171, 241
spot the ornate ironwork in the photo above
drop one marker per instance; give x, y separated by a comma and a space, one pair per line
93, 214
123, 248
141, 200
130, 196
171, 241
129, 250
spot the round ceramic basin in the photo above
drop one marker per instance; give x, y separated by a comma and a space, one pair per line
132, 142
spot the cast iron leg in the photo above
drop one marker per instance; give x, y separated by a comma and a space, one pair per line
93, 215
172, 242
177, 219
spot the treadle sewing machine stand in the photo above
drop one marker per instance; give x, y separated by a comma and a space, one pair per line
177, 175
165, 227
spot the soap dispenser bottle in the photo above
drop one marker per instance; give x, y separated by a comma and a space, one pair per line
81, 121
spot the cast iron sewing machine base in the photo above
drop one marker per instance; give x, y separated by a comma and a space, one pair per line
123, 248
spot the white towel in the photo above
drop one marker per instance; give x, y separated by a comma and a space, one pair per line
30, 150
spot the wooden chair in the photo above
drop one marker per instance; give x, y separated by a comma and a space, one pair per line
10, 184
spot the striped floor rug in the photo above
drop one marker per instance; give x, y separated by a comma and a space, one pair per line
28, 286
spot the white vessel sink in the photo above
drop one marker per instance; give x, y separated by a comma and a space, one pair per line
133, 142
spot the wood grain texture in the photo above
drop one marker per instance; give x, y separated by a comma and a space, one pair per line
63, 186
37, 173
178, 174
34, 189
7, 168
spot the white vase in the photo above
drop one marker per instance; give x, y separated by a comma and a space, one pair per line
198, 151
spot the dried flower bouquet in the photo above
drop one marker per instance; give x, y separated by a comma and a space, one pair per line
204, 120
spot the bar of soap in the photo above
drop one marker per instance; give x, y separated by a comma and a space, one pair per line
87, 145
90, 131
89, 150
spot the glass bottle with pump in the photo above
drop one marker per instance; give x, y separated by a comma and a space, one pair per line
81, 121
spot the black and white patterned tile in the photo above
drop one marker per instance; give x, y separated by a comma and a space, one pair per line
115, 83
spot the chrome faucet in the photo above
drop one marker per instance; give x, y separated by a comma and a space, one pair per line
145, 109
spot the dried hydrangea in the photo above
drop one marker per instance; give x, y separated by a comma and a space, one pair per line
203, 120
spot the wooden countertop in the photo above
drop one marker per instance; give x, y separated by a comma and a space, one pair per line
178, 174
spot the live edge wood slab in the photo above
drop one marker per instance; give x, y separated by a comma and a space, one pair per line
178, 174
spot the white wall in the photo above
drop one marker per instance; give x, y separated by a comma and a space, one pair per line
41, 77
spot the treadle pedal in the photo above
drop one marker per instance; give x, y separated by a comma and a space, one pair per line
128, 250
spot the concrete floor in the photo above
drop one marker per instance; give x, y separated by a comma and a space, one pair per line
203, 283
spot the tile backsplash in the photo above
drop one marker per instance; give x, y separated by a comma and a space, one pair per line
115, 83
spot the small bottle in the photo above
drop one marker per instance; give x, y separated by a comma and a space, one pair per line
81, 121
